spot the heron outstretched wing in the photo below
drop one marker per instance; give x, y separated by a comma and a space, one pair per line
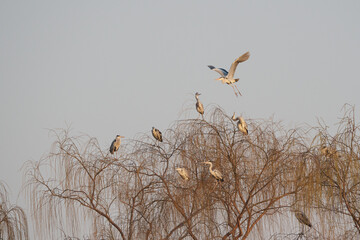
221, 71
240, 59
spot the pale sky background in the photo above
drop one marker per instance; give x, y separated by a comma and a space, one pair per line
121, 67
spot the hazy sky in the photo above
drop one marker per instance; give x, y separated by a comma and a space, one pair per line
121, 67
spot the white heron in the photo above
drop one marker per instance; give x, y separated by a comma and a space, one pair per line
183, 173
115, 144
241, 124
199, 105
228, 77
157, 134
303, 219
215, 173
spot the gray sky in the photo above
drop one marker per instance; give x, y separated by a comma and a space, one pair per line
121, 67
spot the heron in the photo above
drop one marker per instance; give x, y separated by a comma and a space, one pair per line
228, 77
324, 150
241, 124
115, 144
303, 219
215, 173
328, 152
183, 173
199, 105
157, 134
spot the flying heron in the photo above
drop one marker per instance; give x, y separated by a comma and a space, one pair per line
157, 134
215, 173
199, 106
228, 77
183, 173
115, 144
303, 219
241, 124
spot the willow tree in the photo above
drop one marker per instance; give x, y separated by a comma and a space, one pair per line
337, 177
137, 193
13, 221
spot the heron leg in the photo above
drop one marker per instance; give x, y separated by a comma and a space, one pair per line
215, 186
238, 90
234, 90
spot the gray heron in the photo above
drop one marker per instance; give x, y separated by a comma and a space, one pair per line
215, 173
303, 219
324, 150
199, 106
115, 144
157, 134
183, 173
241, 124
228, 77
328, 152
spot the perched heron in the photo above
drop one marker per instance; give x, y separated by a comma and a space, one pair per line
228, 77
199, 106
215, 173
324, 150
115, 144
328, 152
303, 219
183, 173
157, 134
241, 124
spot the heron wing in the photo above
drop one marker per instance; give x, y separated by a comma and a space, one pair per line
199, 107
303, 218
221, 71
183, 173
224, 71
240, 59
160, 136
243, 123
112, 147
186, 174
217, 174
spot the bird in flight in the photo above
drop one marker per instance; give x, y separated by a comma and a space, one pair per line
228, 77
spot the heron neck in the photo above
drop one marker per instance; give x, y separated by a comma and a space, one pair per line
210, 167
